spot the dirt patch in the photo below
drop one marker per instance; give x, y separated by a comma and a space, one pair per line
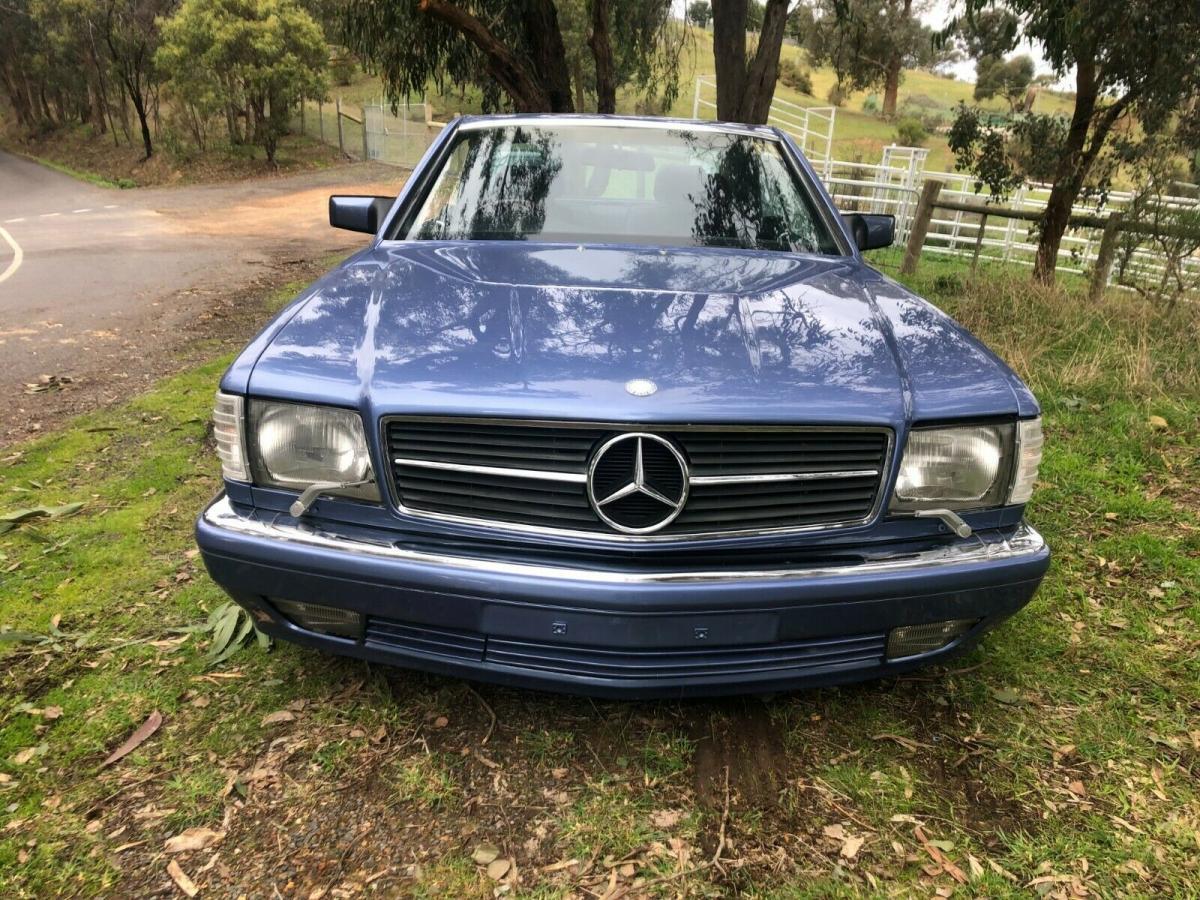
738, 738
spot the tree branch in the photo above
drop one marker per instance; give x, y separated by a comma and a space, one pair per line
514, 77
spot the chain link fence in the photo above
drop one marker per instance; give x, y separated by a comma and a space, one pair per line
372, 131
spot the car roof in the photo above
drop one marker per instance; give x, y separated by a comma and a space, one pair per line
474, 123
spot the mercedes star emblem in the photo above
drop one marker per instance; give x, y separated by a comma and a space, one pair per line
637, 483
641, 387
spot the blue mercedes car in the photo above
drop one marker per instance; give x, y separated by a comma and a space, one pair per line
615, 406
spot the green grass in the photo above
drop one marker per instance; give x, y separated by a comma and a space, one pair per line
1066, 748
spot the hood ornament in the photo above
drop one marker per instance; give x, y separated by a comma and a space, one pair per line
641, 387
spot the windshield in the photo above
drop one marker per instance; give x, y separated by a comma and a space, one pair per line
573, 183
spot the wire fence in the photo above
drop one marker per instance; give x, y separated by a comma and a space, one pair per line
372, 131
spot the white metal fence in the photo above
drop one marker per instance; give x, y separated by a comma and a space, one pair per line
811, 127
893, 184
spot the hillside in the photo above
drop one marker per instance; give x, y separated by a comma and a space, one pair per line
857, 135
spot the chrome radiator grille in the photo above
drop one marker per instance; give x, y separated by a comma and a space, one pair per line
535, 475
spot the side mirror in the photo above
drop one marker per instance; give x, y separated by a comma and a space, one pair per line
871, 231
359, 213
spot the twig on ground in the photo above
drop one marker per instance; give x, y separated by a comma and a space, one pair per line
724, 821
491, 712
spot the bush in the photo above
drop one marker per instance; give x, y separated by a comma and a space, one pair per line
871, 104
342, 68
910, 132
796, 77
837, 94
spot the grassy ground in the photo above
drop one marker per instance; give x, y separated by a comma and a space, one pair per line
93, 157
1060, 758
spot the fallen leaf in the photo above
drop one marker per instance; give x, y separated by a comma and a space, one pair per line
851, 846
1158, 423
836, 832
135, 740
665, 818
27, 754
181, 880
52, 712
278, 718
1077, 788
498, 868
193, 839
441, 722
485, 854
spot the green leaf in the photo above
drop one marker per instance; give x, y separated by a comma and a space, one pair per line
226, 622
20, 637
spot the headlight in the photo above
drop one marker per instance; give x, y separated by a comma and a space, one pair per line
964, 467
296, 445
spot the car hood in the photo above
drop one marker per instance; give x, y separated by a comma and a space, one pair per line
514, 329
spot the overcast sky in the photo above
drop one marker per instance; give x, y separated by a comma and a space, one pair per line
940, 11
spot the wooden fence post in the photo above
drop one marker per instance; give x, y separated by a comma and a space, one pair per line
366, 149
978, 242
920, 225
321, 119
1104, 257
341, 138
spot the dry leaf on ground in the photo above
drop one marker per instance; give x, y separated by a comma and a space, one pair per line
181, 879
135, 740
193, 839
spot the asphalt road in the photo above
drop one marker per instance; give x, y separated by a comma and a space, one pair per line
91, 278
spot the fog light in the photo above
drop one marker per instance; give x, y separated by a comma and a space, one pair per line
913, 640
322, 619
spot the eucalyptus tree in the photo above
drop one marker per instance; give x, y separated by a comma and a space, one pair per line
515, 53
1136, 67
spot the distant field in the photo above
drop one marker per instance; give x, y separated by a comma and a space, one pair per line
856, 134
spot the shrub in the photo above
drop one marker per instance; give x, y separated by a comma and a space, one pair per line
342, 68
795, 76
871, 104
910, 132
837, 94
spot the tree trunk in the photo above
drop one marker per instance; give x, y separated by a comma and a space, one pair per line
1068, 177
545, 40
599, 41
139, 106
745, 88
729, 54
577, 84
514, 77
759, 89
891, 87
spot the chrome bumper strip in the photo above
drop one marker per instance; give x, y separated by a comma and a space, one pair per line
221, 514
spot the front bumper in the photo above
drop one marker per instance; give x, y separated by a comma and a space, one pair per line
614, 632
